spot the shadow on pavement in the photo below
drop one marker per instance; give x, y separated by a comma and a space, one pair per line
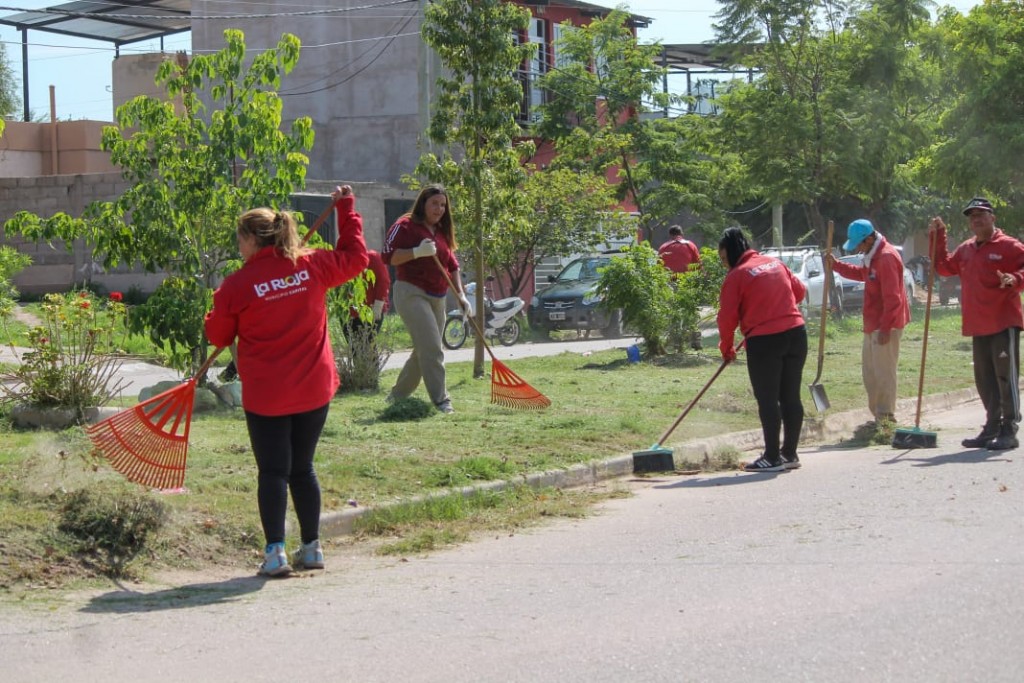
963, 457
731, 479
193, 595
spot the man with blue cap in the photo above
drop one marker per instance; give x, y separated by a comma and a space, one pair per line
991, 269
886, 312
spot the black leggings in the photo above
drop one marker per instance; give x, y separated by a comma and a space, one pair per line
775, 363
284, 446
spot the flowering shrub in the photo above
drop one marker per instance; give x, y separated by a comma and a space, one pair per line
71, 362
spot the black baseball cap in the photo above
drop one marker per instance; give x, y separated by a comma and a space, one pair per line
978, 203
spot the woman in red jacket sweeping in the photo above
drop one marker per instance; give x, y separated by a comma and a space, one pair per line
761, 297
275, 308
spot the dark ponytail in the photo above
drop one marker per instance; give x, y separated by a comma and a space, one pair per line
734, 244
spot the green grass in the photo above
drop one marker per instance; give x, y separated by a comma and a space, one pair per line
602, 406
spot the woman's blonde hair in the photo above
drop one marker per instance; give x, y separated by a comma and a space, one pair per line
273, 228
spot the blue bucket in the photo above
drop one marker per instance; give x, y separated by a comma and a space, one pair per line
633, 353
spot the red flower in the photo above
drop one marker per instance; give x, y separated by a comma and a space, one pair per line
116, 296
82, 295
84, 303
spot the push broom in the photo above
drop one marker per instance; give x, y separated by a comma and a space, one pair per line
507, 388
148, 444
904, 437
657, 458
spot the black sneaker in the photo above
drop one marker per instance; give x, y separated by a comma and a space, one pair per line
982, 440
791, 462
763, 464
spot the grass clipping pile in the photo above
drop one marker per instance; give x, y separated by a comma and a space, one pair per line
96, 531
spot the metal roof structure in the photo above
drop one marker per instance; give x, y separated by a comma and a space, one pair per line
121, 23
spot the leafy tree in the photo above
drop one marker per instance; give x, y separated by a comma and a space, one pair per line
9, 100
641, 286
567, 212
192, 173
475, 121
982, 134
785, 126
596, 98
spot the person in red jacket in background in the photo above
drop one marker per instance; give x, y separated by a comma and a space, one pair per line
376, 297
761, 296
886, 312
677, 253
991, 270
274, 307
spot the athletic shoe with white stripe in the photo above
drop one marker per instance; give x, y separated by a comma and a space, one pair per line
791, 462
763, 464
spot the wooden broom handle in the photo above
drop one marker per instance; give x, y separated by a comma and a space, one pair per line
696, 398
932, 253
476, 325
312, 229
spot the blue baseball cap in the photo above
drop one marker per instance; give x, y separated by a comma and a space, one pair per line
857, 232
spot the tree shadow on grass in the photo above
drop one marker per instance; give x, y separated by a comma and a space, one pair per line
125, 601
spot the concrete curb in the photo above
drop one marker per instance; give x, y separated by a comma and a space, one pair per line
817, 430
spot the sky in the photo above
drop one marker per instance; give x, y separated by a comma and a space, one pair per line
80, 70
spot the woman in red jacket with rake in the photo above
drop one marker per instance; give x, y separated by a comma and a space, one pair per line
275, 308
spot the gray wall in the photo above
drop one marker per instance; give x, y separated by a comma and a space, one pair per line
363, 77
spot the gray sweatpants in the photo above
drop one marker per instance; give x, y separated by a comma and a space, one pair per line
423, 316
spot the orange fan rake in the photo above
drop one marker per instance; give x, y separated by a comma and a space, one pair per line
148, 444
507, 388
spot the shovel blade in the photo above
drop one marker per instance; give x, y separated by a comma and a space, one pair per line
820, 398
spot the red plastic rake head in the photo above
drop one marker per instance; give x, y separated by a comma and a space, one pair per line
148, 444
511, 391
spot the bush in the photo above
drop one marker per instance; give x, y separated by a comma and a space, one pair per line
70, 363
641, 287
112, 523
12, 262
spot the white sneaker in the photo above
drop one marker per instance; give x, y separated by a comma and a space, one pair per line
275, 561
309, 556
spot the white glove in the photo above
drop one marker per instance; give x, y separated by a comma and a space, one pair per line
378, 309
466, 306
425, 248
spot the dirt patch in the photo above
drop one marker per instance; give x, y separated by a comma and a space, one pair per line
23, 315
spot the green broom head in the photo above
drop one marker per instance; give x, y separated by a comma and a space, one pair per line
655, 459
915, 437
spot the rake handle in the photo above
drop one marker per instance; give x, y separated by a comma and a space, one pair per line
932, 249
476, 325
824, 303
686, 411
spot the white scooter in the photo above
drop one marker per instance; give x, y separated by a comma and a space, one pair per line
500, 320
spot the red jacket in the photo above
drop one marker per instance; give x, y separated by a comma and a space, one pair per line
422, 272
760, 296
381, 286
678, 254
985, 307
277, 312
885, 298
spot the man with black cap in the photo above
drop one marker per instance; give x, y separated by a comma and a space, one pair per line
886, 312
991, 270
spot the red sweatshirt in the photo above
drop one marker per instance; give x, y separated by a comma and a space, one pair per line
277, 312
422, 272
678, 254
985, 307
760, 296
381, 283
885, 298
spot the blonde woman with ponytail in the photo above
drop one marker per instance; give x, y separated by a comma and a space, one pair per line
274, 309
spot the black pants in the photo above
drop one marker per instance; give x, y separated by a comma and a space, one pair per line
775, 364
996, 374
284, 446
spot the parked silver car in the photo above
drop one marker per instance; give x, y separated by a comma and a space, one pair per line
806, 263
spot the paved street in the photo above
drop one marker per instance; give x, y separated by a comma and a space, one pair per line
865, 565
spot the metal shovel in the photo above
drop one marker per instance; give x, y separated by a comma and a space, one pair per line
817, 390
